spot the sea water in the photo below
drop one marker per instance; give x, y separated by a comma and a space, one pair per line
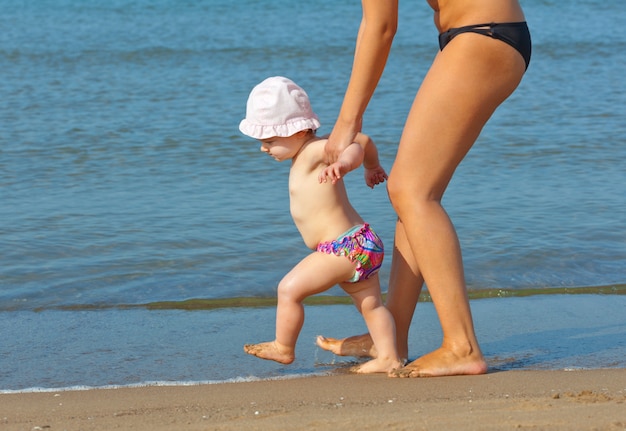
127, 192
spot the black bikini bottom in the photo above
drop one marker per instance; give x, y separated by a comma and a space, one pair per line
515, 34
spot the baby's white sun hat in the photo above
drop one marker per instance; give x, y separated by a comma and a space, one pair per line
278, 107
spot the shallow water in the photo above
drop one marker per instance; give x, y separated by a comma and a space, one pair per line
125, 181
60, 349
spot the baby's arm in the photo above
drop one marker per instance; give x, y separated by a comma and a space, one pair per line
349, 160
374, 172
362, 150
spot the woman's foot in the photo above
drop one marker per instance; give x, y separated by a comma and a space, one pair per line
360, 346
270, 350
442, 362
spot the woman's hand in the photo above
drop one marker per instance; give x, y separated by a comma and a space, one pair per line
340, 138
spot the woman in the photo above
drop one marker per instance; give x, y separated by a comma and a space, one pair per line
485, 50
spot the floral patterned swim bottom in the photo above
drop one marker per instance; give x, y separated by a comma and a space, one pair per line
360, 245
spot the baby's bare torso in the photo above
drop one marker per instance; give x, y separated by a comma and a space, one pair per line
321, 212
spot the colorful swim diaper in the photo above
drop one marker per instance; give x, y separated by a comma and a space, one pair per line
360, 245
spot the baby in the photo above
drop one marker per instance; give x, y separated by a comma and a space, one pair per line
346, 251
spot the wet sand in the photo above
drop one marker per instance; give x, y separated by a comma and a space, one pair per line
554, 400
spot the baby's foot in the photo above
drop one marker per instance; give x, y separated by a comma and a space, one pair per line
377, 366
270, 350
359, 346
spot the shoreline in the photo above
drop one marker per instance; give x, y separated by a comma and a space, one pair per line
237, 302
576, 399
120, 348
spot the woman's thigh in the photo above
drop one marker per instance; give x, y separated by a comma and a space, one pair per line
467, 81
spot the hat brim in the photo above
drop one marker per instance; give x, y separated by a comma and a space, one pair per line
264, 131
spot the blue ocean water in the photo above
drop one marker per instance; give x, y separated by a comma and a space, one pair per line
125, 181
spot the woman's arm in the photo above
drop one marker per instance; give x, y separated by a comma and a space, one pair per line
376, 33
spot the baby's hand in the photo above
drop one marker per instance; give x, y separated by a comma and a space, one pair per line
375, 176
333, 172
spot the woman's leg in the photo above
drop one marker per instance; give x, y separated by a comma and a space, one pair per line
466, 83
405, 286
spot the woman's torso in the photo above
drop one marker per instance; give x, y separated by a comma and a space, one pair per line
457, 13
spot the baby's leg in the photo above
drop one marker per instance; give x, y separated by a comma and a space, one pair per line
316, 273
405, 286
368, 300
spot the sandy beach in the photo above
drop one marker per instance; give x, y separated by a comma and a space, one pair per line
539, 400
